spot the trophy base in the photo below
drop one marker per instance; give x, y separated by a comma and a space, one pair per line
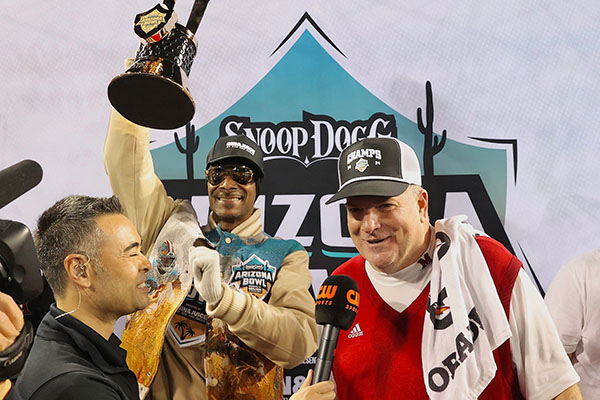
152, 94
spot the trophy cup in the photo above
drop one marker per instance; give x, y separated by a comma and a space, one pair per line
153, 91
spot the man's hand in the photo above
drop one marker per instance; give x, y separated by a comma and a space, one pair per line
320, 391
207, 273
571, 393
11, 321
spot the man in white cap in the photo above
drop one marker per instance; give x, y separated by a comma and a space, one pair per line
445, 312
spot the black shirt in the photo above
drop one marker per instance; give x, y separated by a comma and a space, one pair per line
69, 360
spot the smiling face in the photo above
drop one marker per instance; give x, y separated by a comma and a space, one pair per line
390, 232
119, 288
231, 202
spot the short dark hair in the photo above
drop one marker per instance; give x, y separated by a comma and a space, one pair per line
69, 227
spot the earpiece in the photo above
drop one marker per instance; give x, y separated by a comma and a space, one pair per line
81, 271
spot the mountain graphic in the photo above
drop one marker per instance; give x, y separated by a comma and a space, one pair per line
307, 78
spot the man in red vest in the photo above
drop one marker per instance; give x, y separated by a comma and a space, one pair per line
445, 311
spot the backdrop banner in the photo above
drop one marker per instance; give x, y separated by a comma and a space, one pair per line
499, 102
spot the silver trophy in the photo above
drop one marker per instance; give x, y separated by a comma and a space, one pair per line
153, 92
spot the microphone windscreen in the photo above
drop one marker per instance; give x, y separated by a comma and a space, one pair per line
18, 179
337, 302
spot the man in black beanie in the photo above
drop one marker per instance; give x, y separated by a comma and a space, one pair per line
251, 313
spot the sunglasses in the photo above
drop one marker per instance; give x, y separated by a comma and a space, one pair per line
241, 174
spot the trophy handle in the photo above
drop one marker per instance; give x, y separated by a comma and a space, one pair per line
196, 15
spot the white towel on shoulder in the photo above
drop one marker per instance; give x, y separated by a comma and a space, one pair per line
465, 320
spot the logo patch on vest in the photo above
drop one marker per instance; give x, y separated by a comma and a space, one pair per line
254, 276
355, 332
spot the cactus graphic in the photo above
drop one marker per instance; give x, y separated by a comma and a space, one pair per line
191, 142
432, 144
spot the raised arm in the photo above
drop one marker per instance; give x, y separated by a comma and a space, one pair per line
130, 169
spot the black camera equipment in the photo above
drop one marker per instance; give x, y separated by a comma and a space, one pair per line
20, 275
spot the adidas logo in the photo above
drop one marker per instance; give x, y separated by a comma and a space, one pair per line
355, 332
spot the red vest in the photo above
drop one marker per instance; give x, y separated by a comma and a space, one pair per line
382, 358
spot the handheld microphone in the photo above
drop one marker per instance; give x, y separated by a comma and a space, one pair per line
336, 308
18, 179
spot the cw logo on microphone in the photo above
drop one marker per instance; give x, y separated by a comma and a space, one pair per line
353, 298
326, 293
